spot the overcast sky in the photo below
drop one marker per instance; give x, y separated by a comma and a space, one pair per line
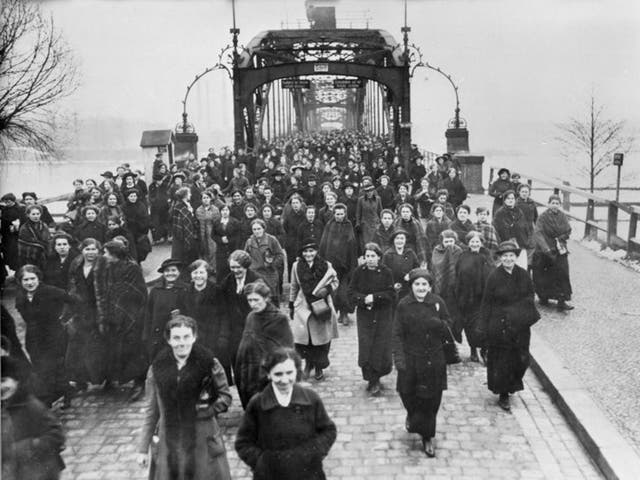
522, 65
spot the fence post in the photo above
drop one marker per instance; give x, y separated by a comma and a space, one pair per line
566, 197
633, 225
612, 223
590, 217
490, 179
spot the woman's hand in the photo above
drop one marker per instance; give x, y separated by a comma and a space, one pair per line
368, 300
142, 459
397, 286
224, 239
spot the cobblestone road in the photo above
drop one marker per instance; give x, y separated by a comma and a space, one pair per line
475, 439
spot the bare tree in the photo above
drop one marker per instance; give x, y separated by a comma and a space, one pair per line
594, 139
37, 69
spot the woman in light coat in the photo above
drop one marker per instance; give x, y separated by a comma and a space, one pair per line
312, 280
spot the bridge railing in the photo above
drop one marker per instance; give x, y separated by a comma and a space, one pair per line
612, 223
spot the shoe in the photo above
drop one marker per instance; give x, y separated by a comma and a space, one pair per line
429, 449
544, 301
483, 355
319, 374
503, 402
474, 355
564, 306
306, 373
375, 388
137, 392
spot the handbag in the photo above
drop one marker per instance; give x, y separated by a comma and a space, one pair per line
450, 348
320, 307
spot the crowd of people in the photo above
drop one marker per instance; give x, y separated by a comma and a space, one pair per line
338, 218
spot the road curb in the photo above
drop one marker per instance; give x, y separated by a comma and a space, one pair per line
613, 454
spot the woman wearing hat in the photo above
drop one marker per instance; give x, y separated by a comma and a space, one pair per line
267, 256
507, 313
33, 239
184, 228
400, 260
551, 257
498, 187
313, 279
138, 221
444, 261
169, 295
368, 212
371, 290
32, 436
419, 326
511, 224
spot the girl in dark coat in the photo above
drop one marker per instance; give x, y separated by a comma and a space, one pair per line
383, 233
236, 307
400, 261
9, 228
416, 238
472, 269
437, 224
226, 233
285, 432
444, 260
419, 326
121, 297
310, 229
371, 290
498, 187
164, 298
85, 358
42, 309
137, 220
292, 218
33, 239
205, 304
186, 391
184, 229
506, 316
462, 225
551, 257
32, 437
511, 224
265, 330
89, 226
455, 188
56, 270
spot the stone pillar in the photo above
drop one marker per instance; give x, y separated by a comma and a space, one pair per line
471, 172
457, 140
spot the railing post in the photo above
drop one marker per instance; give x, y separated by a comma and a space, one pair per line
633, 226
490, 179
590, 217
566, 197
612, 223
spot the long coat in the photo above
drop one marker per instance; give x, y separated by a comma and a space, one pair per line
32, 439
232, 231
400, 265
550, 266
506, 316
416, 238
374, 324
306, 327
185, 231
45, 340
207, 309
121, 297
183, 406
262, 249
263, 333
368, 217
418, 330
33, 243
285, 443
161, 302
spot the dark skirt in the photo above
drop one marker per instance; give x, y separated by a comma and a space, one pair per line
551, 277
374, 347
86, 357
421, 413
470, 321
506, 368
316, 355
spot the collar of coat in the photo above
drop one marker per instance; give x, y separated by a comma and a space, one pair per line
430, 299
269, 401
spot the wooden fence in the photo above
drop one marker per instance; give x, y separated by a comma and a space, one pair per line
616, 217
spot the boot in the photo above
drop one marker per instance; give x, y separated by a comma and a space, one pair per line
319, 374
474, 355
137, 392
375, 388
503, 402
306, 373
483, 355
564, 306
428, 448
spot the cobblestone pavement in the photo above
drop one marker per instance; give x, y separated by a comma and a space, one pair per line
475, 439
599, 341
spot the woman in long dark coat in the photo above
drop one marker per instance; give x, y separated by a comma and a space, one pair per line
371, 290
265, 330
33, 239
10, 214
121, 297
462, 225
292, 217
186, 391
285, 441
312, 279
416, 238
400, 260
472, 270
418, 329
86, 351
498, 187
226, 233
368, 211
184, 228
444, 260
42, 309
205, 304
551, 257
56, 270
455, 188
506, 316
138, 222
